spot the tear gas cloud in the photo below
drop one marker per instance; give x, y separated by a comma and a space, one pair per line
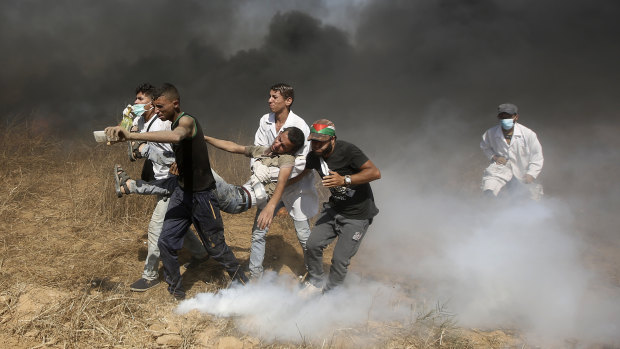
414, 84
272, 309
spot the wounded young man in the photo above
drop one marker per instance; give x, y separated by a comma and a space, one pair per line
233, 198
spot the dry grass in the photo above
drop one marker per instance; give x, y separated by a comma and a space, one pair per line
69, 247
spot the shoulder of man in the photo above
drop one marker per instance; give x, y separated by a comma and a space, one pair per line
524, 129
268, 118
297, 121
286, 159
493, 131
160, 125
352, 151
255, 151
344, 145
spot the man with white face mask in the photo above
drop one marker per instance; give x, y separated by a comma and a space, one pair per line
515, 153
147, 120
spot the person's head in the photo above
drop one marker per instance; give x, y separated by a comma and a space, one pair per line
322, 137
289, 141
168, 102
145, 95
507, 114
281, 97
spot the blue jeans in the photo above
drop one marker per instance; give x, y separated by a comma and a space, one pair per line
232, 198
257, 249
191, 242
202, 210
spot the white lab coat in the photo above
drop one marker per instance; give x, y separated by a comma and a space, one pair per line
300, 199
524, 156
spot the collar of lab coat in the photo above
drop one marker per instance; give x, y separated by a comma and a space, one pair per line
517, 133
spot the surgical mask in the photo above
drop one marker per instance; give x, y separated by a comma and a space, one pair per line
507, 124
138, 109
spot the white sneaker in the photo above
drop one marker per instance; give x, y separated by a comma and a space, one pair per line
309, 290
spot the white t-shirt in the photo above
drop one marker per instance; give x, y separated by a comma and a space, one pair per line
156, 124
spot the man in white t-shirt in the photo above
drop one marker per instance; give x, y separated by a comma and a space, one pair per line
154, 168
300, 199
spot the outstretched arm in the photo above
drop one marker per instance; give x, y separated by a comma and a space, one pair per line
229, 146
266, 215
184, 130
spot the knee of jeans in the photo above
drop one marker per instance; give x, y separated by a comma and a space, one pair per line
312, 246
163, 244
258, 236
341, 262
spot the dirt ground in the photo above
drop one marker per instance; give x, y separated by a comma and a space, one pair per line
69, 249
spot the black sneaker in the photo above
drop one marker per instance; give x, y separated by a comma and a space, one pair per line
178, 294
143, 284
195, 262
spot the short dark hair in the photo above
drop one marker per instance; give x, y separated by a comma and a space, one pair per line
169, 91
285, 90
148, 90
296, 136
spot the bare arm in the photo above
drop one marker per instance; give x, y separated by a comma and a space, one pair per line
229, 146
368, 173
184, 130
266, 215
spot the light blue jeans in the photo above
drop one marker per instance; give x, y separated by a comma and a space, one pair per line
232, 198
257, 249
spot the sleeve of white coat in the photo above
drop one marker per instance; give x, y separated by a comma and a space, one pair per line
536, 156
485, 145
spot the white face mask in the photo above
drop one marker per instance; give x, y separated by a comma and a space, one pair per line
138, 109
507, 124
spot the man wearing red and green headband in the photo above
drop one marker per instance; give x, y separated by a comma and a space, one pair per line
347, 172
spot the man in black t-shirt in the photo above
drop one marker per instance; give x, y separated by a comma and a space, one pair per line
347, 172
194, 200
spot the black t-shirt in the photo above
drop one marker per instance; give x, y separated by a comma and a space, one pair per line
192, 159
357, 201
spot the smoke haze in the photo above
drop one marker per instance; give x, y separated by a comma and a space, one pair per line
414, 84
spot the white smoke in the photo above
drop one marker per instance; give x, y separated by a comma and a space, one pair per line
508, 263
514, 264
272, 308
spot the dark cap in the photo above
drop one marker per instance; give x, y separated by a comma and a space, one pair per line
322, 130
507, 108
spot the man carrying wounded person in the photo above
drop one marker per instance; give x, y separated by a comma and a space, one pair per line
232, 198
147, 120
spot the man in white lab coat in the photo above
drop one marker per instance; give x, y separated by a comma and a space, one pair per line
515, 153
